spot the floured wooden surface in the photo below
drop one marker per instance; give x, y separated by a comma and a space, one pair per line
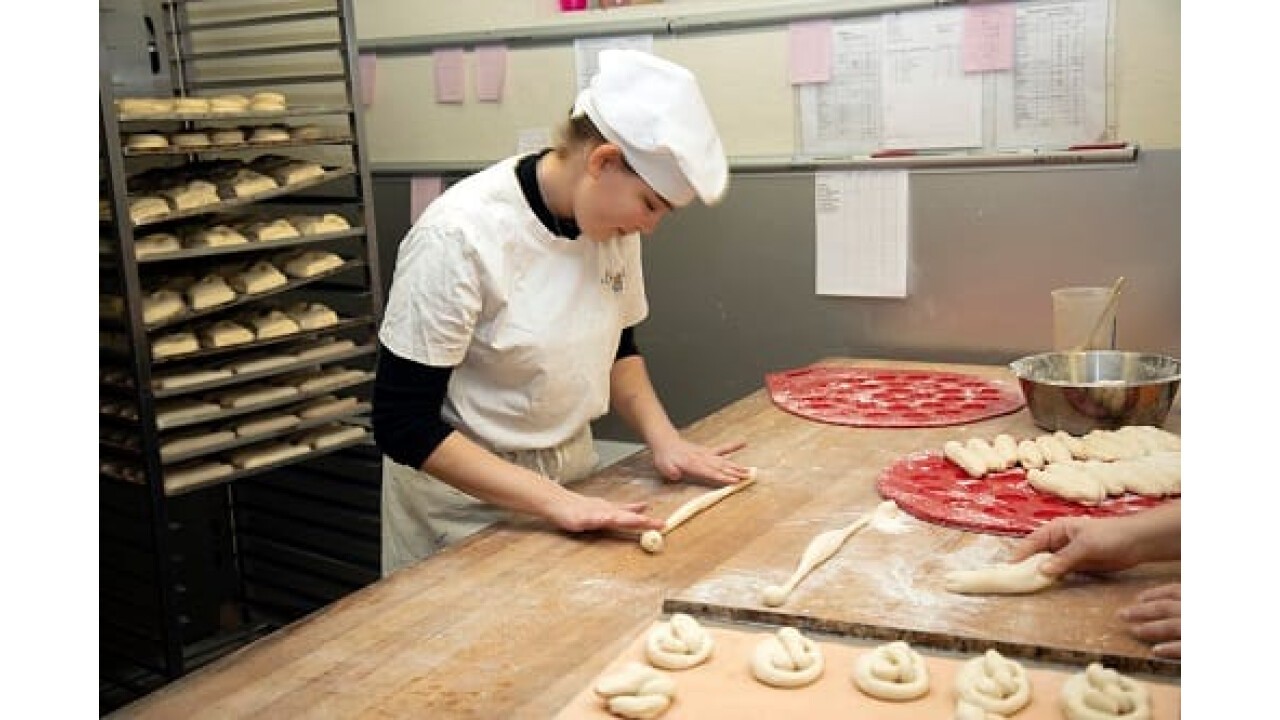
723, 687
887, 581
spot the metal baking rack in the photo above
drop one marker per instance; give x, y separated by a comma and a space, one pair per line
180, 597
306, 424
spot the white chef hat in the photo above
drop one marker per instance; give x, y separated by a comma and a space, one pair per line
653, 111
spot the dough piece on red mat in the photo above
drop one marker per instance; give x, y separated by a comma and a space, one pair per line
967, 459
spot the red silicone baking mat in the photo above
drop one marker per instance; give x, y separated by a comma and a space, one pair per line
936, 490
871, 397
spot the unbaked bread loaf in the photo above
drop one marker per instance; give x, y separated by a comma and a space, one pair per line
264, 425
268, 97
312, 316
296, 171
156, 244
243, 367
226, 136
225, 333
259, 277
183, 476
194, 441
272, 323
328, 435
269, 134
183, 410
318, 379
187, 378
209, 291
194, 194
147, 207
146, 141
172, 344
265, 454
313, 262
144, 106
313, 225
245, 183
264, 230
196, 139
326, 406
161, 305
307, 132
190, 105
251, 395
324, 347
216, 236
228, 104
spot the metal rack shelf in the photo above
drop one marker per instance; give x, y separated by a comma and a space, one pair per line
237, 147
221, 207
299, 111
258, 21
250, 247
241, 378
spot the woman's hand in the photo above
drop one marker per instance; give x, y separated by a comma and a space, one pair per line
1157, 618
578, 513
680, 459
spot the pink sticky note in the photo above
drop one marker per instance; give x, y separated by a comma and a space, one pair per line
810, 46
422, 190
450, 74
988, 37
491, 72
368, 77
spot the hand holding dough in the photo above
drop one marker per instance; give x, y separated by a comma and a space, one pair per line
819, 550
1001, 578
994, 683
1101, 693
651, 540
892, 671
637, 691
678, 644
787, 659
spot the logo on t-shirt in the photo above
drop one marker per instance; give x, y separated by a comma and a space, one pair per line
615, 281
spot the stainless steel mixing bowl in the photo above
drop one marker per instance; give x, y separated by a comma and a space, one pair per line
1098, 389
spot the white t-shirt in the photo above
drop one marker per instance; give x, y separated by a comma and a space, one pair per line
529, 321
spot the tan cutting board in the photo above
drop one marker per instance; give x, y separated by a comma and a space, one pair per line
887, 583
723, 687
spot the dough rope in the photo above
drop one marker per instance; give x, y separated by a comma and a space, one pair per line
892, 671
994, 683
1001, 578
652, 540
821, 548
787, 659
636, 691
1100, 693
678, 644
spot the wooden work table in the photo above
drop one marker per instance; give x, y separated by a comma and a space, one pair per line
516, 620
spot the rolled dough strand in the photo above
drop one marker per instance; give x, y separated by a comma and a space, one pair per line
651, 540
1074, 445
819, 550
1053, 449
1001, 578
956, 452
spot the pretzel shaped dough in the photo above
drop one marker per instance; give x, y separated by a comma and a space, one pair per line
787, 659
994, 683
892, 671
1100, 693
678, 644
636, 691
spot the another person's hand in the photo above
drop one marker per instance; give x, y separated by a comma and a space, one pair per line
584, 512
681, 459
1156, 618
1080, 544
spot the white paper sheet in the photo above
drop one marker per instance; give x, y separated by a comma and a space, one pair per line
1057, 93
585, 52
842, 117
862, 220
929, 101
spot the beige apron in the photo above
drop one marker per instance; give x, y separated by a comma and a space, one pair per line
421, 515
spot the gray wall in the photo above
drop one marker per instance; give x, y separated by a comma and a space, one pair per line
731, 288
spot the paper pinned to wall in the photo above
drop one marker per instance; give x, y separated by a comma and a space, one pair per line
862, 220
843, 115
423, 189
988, 37
809, 44
929, 101
368, 66
587, 50
450, 74
1057, 93
491, 72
